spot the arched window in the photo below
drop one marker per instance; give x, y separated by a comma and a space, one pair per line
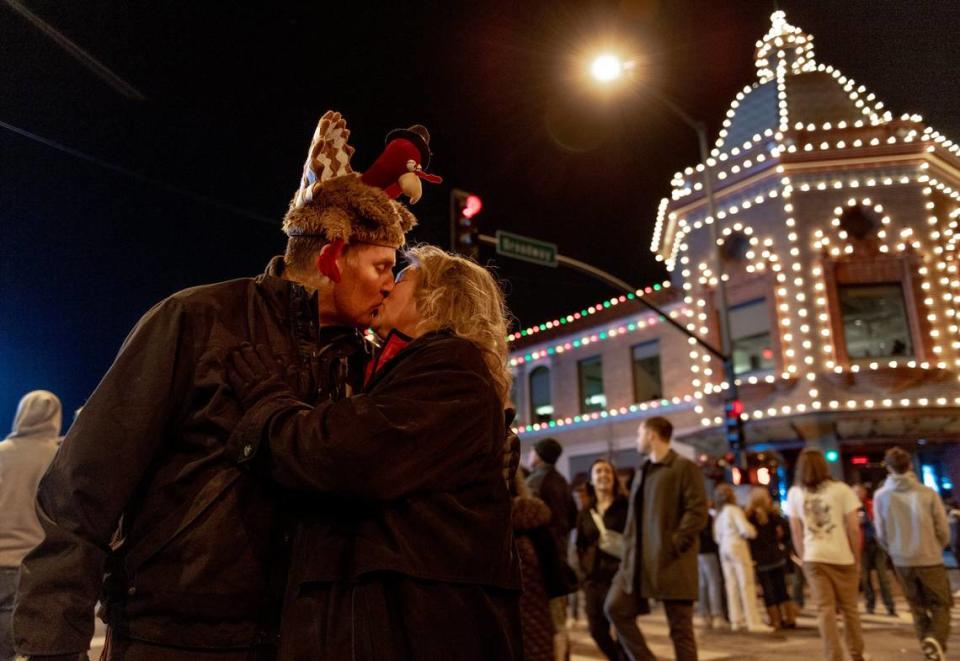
592, 397
541, 404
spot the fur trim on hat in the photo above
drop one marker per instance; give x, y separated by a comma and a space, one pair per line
346, 208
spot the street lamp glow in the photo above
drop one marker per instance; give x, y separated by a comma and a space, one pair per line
606, 68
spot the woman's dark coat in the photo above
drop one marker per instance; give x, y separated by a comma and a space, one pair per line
530, 516
414, 506
767, 549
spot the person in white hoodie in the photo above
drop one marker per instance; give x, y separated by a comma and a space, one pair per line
732, 530
911, 525
24, 457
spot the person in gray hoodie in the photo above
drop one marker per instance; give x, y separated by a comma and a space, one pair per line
911, 525
24, 457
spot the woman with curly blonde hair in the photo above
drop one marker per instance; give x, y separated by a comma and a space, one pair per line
412, 556
442, 292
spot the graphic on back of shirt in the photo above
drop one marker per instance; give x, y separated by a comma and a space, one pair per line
816, 514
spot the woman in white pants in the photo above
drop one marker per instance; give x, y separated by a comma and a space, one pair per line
732, 530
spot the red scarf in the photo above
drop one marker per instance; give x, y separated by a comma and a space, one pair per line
394, 344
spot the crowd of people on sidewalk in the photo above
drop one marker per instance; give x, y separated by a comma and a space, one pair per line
835, 536
632, 549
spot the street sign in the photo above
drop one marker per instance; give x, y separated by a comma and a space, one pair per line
526, 249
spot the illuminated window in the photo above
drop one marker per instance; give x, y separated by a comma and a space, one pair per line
591, 385
646, 372
541, 405
752, 343
875, 321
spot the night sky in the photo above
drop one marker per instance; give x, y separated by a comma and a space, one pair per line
233, 91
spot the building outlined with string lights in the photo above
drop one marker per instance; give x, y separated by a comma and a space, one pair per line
840, 233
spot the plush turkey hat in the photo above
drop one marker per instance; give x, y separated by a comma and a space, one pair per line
332, 202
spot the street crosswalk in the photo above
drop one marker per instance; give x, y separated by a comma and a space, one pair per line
887, 638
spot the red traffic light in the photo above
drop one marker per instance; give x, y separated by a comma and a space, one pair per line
472, 206
734, 408
859, 460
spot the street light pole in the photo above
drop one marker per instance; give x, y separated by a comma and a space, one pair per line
608, 68
723, 311
701, 130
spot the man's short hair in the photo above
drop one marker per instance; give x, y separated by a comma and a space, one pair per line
549, 450
660, 426
898, 460
301, 252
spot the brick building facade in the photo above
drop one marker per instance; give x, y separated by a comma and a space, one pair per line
839, 226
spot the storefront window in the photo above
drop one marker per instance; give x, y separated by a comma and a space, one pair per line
646, 372
752, 344
541, 404
875, 321
591, 385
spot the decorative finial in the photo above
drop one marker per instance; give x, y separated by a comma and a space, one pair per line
786, 45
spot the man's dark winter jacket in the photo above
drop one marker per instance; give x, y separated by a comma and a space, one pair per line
191, 564
550, 486
416, 461
668, 508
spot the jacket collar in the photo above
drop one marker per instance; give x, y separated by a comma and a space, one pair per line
666, 461
543, 469
287, 295
298, 306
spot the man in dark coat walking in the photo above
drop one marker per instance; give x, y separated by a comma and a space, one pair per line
668, 509
144, 489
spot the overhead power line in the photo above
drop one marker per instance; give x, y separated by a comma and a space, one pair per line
173, 188
91, 63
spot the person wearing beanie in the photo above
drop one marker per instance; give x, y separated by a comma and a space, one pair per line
144, 508
547, 484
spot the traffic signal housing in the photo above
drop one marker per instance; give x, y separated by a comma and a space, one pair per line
733, 425
464, 230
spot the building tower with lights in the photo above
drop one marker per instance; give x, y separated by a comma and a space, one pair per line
840, 235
